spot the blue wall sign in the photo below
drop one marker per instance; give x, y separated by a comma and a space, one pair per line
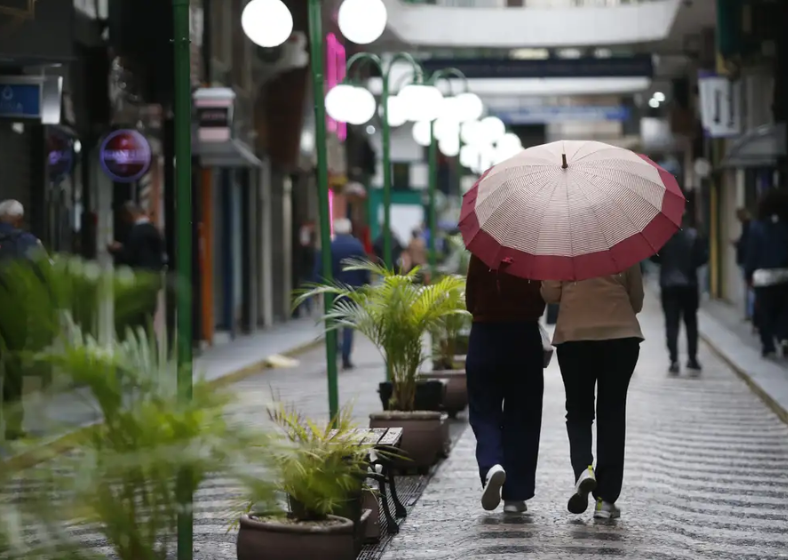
125, 155
20, 100
550, 114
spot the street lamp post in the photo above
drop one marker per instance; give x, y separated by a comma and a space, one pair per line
385, 71
183, 247
457, 109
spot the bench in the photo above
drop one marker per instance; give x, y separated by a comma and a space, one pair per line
384, 440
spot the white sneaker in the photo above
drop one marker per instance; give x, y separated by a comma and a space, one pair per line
604, 510
514, 506
491, 495
586, 484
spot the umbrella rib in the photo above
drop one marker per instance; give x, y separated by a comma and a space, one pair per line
599, 223
483, 202
634, 226
628, 188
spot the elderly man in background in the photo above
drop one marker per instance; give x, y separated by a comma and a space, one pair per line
15, 244
344, 246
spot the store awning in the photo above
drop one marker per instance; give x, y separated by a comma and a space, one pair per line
231, 153
758, 148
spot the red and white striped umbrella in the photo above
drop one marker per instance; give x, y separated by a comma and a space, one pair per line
571, 210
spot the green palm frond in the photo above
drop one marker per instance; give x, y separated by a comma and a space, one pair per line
394, 313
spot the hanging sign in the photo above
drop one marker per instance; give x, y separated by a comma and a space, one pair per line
720, 104
60, 156
125, 155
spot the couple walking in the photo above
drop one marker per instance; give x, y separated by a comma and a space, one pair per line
597, 338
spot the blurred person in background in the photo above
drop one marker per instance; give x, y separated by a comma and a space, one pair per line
679, 261
16, 245
307, 252
415, 254
740, 245
396, 250
344, 246
143, 251
766, 269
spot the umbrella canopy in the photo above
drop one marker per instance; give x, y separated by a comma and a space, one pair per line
571, 210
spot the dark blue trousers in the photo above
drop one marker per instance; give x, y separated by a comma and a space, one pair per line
505, 388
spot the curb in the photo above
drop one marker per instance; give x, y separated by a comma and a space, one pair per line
61, 444
775, 407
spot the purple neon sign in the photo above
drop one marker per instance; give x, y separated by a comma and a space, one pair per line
125, 155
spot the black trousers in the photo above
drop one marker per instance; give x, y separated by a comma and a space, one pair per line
505, 389
607, 365
772, 305
678, 304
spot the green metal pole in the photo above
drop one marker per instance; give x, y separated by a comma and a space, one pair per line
183, 248
388, 257
316, 63
432, 213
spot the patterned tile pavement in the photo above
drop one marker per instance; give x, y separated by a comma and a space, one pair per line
706, 478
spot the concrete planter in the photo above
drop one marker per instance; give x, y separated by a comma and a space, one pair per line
278, 538
423, 436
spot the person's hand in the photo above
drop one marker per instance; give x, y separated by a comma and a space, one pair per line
114, 246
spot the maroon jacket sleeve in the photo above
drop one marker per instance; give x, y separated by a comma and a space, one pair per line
471, 284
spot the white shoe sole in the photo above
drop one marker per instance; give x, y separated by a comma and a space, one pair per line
491, 496
578, 503
607, 514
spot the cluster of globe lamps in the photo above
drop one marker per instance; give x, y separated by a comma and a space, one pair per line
457, 123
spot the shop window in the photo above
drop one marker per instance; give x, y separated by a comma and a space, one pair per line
400, 176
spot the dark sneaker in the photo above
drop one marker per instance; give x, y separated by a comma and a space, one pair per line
674, 368
694, 367
768, 354
347, 366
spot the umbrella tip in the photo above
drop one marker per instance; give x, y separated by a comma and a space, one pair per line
564, 165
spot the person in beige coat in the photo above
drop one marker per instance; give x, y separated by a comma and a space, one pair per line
597, 339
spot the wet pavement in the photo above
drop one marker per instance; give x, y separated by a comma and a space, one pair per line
706, 478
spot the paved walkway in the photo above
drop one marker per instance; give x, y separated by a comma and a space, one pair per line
706, 478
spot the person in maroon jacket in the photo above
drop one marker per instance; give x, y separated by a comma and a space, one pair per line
505, 383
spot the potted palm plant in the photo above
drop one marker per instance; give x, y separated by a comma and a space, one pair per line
395, 314
447, 364
321, 471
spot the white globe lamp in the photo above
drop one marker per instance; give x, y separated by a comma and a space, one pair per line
469, 156
471, 133
421, 102
510, 142
362, 108
267, 23
492, 129
421, 133
469, 107
396, 112
362, 21
339, 102
446, 128
449, 146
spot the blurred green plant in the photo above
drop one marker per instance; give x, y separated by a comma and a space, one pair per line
121, 475
446, 333
394, 314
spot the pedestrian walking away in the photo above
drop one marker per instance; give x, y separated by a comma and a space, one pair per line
679, 261
766, 270
343, 247
15, 245
505, 383
597, 339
